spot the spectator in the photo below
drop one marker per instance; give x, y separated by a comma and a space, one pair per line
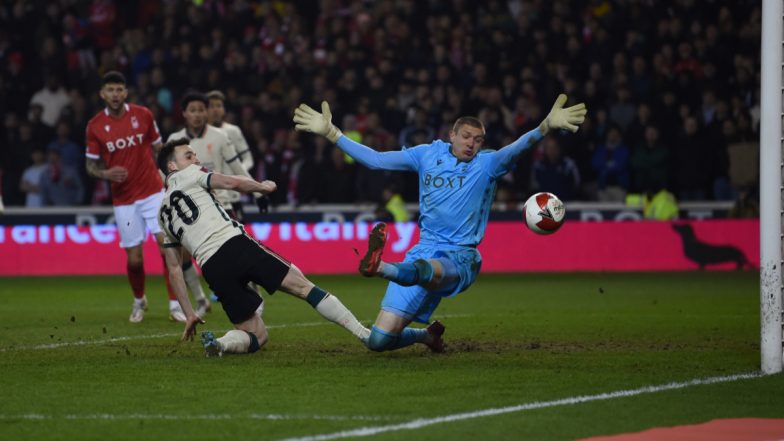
418, 127
265, 58
52, 98
16, 157
640, 80
350, 123
649, 163
747, 204
341, 177
31, 180
622, 111
635, 135
556, 173
743, 152
611, 161
60, 184
311, 174
42, 133
692, 176
392, 202
70, 153
370, 184
667, 118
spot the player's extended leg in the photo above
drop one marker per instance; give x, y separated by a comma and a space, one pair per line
328, 305
433, 274
371, 262
248, 337
391, 332
236, 212
135, 269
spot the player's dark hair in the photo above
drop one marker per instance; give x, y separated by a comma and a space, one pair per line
467, 121
113, 77
193, 96
216, 95
167, 153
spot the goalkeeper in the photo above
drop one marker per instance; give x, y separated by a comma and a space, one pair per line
456, 188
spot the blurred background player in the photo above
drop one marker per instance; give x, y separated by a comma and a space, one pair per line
218, 154
230, 258
213, 145
216, 112
456, 187
121, 141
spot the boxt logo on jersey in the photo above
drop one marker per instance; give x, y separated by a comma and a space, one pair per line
446, 182
126, 141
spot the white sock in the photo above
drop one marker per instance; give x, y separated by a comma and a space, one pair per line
173, 304
235, 342
193, 282
140, 302
333, 310
387, 271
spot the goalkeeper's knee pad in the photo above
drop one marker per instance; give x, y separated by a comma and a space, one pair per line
379, 340
424, 271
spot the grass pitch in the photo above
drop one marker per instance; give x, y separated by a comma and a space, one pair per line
72, 367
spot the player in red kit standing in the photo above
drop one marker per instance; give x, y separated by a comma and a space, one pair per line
121, 143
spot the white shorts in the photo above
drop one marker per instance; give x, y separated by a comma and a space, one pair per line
131, 220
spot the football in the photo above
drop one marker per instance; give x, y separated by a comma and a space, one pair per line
544, 213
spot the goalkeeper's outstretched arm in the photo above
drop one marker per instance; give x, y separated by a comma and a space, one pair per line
559, 118
309, 120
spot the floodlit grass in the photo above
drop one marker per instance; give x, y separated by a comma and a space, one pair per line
74, 368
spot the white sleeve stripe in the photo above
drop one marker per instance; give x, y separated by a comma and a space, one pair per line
158, 141
92, 156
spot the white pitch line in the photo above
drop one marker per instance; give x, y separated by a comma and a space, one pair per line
424, 422
137, 337
208, 417
172, 334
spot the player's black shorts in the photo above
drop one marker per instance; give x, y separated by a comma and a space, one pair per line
238, 261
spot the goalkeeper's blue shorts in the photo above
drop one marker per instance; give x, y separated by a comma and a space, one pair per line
417, 303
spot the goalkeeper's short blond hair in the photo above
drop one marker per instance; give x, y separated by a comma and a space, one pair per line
467, 121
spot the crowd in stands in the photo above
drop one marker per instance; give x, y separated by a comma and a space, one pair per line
672, 88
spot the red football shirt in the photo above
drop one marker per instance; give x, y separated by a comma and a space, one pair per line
127, 141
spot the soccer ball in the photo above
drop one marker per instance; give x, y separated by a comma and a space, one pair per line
544, 213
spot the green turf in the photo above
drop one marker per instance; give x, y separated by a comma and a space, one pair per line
512, 339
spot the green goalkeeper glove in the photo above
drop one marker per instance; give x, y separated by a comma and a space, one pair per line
309, 120
560, 118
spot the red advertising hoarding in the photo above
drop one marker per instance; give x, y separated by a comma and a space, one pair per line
332, 248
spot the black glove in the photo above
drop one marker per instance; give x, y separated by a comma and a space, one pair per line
263, 203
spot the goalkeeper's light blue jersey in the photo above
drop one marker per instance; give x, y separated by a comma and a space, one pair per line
454, 197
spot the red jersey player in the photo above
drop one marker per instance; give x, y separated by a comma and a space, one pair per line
120, 143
